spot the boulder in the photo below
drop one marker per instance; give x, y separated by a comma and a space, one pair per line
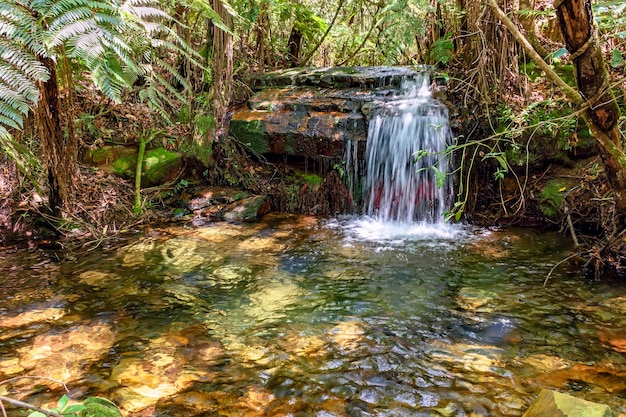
159, 166
221, 203
555, 404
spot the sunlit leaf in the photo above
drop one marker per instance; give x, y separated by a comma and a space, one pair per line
617, 58
63, 401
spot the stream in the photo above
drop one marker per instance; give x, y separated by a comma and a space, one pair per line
301, 316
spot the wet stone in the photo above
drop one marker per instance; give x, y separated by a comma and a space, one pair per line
552, 403
312, 112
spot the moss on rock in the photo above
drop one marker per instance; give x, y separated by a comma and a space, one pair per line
159, 166
251, 133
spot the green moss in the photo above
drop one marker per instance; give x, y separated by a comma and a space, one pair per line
250, 133
158, 164
240, 195
199, 150
312, 179
204, 123
551, 199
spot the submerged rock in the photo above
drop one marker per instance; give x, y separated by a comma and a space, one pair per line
552, 403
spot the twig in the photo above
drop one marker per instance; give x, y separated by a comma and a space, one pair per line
568, 217
7, 381
28, 406
562, 261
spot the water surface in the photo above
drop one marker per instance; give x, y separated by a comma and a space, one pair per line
296, 316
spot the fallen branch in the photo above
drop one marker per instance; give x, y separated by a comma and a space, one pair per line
28, 406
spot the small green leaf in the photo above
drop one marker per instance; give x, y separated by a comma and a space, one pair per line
440, 177
74, 409
616, 58
63, 402
37, 414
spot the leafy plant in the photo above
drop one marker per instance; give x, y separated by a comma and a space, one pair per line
63, 408
90, 407
442, 49
117, 43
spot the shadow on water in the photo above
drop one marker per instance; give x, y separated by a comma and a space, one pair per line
297, 316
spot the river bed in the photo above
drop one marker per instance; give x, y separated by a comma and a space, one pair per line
300, 316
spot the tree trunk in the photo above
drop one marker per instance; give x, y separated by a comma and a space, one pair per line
578, 29
294, 44
222, 64
59, 151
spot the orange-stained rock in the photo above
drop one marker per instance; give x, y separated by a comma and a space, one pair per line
313, 113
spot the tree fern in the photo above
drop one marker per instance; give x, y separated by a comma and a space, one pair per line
117, 44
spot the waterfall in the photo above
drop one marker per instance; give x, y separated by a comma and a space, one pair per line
401, 187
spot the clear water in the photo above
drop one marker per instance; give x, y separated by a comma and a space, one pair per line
296, 316
403, 185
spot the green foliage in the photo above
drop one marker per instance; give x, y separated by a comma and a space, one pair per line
611, 17
304, 19
553, 123
551, 199
565, 71
442, 50
617, 59
90, 407
116, 43
100, 407
25, 161
64, 408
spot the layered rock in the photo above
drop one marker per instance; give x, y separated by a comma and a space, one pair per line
313, 112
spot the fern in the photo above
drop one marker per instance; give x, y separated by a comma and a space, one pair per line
115, 42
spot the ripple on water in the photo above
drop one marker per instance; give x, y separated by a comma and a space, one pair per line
320, 318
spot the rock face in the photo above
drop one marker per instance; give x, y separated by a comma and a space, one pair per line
313, 112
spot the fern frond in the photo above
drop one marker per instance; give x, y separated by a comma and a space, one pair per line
151, 96
57, 8
173, 73
10, 122
11, 113
146, 13
19, 23
18, 56
14, 99
26, 162
66, 32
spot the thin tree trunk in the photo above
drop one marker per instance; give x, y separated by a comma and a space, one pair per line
222, 64
60, 152
294, 44
579, 31
308, 56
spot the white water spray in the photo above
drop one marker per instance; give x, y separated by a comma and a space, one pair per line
400, 187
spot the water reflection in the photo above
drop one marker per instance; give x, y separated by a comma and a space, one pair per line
301, 317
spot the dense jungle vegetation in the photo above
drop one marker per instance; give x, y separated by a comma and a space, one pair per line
536, 91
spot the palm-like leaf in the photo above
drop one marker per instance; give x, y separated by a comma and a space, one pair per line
19, 68
116, 42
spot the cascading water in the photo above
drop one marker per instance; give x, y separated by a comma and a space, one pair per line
400, 187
